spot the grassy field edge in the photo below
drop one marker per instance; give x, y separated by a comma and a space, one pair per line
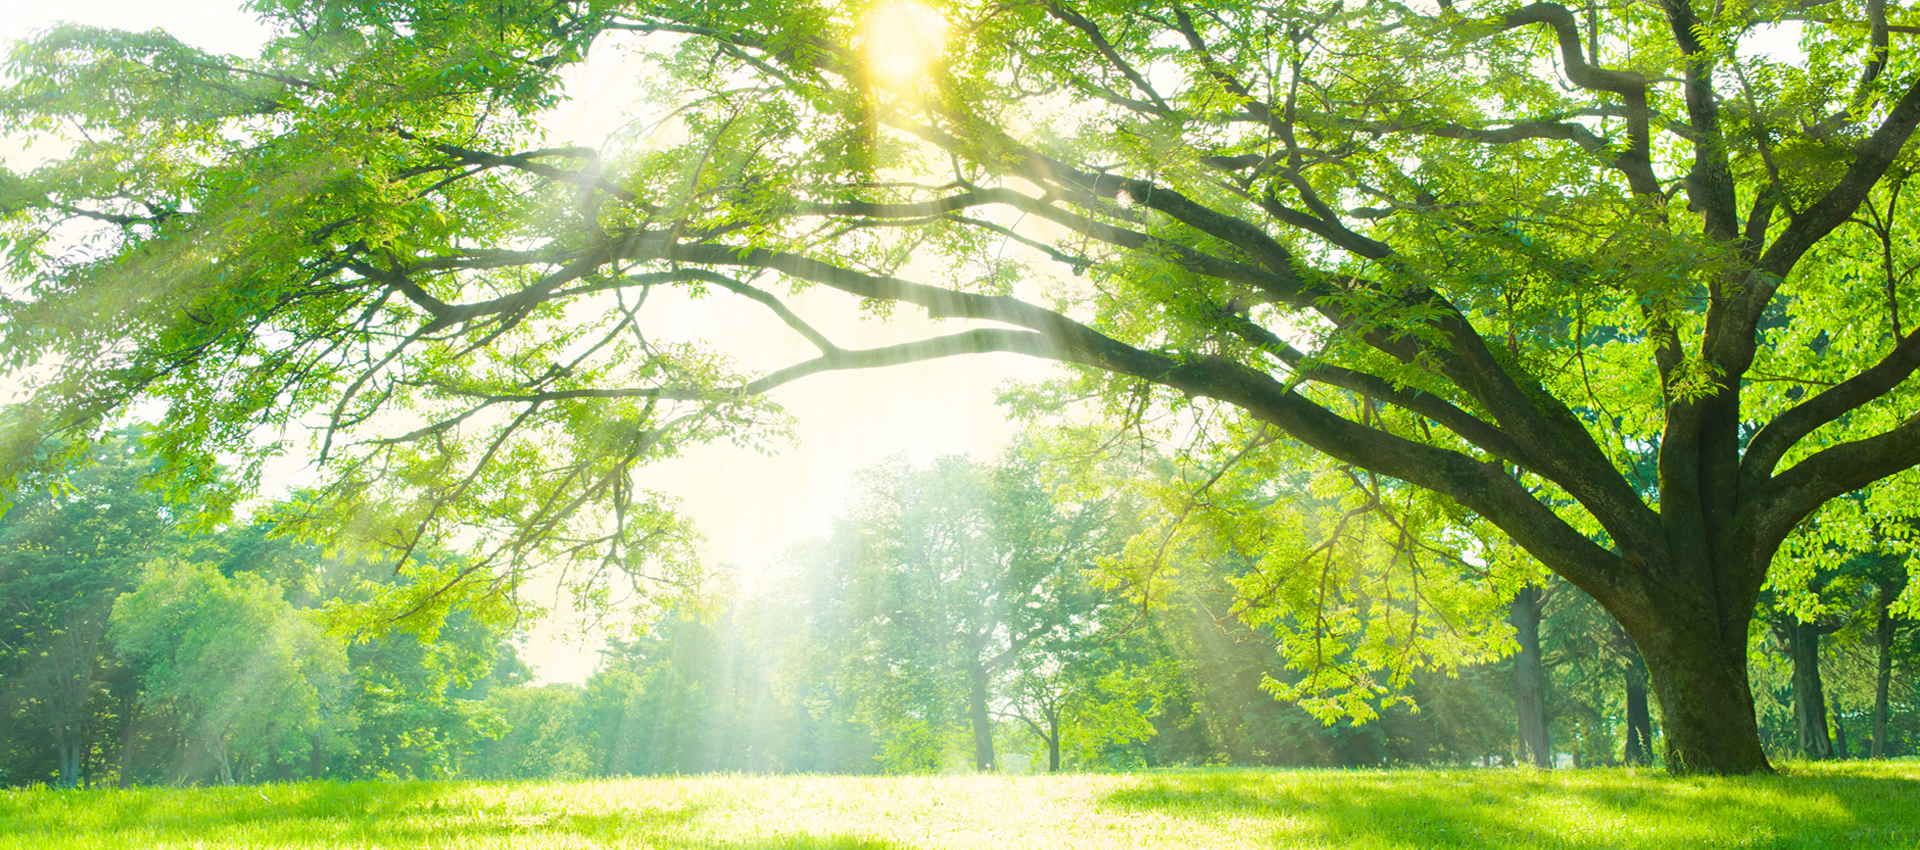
1847, 804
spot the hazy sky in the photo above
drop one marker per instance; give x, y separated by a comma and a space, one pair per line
750, 506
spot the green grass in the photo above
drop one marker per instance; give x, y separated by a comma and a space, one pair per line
1852, 804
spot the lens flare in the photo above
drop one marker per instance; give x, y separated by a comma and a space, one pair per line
901, 38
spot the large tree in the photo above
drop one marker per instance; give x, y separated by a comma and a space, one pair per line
961, 572
1494, 251
254, 680
68, 548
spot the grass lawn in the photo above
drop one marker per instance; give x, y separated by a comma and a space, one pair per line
1853, 804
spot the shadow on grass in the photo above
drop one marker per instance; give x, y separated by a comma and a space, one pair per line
403, 814
1578, 810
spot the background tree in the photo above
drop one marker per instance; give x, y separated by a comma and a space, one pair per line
254, 679
1599, 706
1828, 585
540, 736
645, 707
417, 699
1890, 584
69, 546
1081, 696
975, 565
1529, 678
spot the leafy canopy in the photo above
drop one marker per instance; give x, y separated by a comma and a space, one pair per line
1619, 283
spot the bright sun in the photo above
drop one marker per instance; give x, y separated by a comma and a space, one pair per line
900, 39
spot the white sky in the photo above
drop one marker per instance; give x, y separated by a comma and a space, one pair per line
751, 507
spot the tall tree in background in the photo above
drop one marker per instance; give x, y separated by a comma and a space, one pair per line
254, 678
1485, 249
1802, 643
1837, 576
977, 566
1080, 693
69, 546
1529, 679
1890, 582
1599, 689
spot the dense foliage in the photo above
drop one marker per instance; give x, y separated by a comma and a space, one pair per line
142, 650
147, 645
1614, 291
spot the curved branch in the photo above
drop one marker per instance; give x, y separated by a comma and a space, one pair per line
1636, 162
1710, 182
977, 341
1093, 33
1572, 57
1872, 157
1481, 487
1773, 441
1565, 131
1446, 414
527, 162
765, 299
1782, 502
923, 209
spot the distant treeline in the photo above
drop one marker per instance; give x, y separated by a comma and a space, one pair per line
961, 616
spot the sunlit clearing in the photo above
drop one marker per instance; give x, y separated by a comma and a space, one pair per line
900, 39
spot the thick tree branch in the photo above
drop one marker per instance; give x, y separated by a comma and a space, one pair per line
1484, 488
1636, 161
1710, 184
1871, 159
1542, 425
1079, 22
1733, 340
1476, 432
1778, 437
1782, 502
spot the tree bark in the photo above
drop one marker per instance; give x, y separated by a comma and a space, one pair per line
317, 758
1882, 680
982, 721
1530, 683
1809, 698
1639, 720
68, 755
1883, 630
1053, 743
1698, 670
1839, 731
226, 766
129, 708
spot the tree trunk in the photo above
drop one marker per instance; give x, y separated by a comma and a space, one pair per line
982, 721
1839, 731
1697, 666
68, 754
129, 712
317, 758
1883, 678
1639, 720
1530, 684
1053, 742
1809, 699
